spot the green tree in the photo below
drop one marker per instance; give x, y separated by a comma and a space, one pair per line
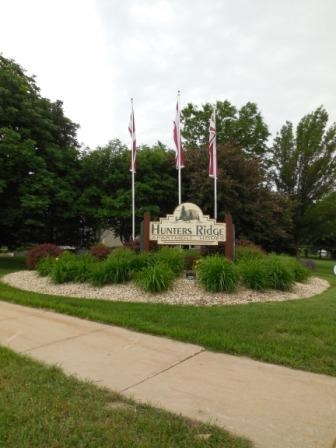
259, 214
320, 224
39, 162
244, 128
304, 164
23, 110
105, 180
105, 201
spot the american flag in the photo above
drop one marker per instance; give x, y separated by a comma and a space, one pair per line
212, 146
177, 137
131, 128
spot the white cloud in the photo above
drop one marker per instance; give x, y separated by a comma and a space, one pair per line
63, 43
96, 55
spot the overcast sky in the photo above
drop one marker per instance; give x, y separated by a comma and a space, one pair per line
95, 55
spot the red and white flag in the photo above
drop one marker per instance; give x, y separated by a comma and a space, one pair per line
212, 147
177, 137
131, 128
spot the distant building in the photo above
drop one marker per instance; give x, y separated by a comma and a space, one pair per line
108, 238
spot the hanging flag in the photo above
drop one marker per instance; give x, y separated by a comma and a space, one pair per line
177, 136
131, 128
212, 146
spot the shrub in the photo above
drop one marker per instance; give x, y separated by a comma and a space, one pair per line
122, 253
173, 257
216, 274
254, 273
111, 270
100, 251
310, 264
213, 250
72, 268
128, 257
135, 245
279, 274
272, 272
82, 267
63, 269
41, 251
141, 261
246, 250
45, 266
300, 272
155, 278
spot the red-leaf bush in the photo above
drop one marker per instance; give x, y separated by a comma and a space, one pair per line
41, 251
135, 245
100, 251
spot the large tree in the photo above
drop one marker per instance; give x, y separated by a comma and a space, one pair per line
320, 224
243, 187
39, 162
244, 127
259, 214
105, 201
305, 164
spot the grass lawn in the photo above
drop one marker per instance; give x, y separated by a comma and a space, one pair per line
298, 333
41, 407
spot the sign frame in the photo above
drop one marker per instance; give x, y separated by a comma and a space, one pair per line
187, 225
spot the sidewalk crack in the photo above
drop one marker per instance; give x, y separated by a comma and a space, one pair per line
163, 370
69, 338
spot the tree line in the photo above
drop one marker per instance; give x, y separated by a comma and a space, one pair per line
281, 194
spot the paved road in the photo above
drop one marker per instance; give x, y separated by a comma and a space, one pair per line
274, 406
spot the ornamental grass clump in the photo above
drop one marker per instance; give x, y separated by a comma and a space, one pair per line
112, 270
72, 268
217, 274
45, 266
63, 270
128, 257
300, 271
279, 274
155, 278
173, 257
248, 252
142, 260
83, 265
254, 273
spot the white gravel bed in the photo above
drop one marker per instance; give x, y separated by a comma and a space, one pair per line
184, 291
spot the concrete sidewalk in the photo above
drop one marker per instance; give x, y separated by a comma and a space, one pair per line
274, 406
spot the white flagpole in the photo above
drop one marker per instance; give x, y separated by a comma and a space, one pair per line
133, 207
179, 149
132, 131
178, 144
215, 167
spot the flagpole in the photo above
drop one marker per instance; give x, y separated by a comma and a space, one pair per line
178, 145
179, 152
133, 207
133, 171
215, 168
179, 186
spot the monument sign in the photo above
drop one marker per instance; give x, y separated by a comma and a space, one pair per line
187, 225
